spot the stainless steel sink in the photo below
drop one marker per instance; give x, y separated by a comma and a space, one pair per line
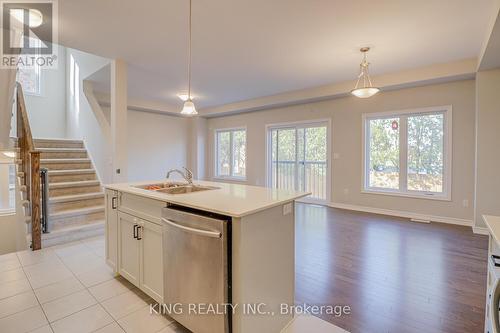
175, 187
186, 189
160, 186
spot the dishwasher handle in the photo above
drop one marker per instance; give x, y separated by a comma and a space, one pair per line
206, 233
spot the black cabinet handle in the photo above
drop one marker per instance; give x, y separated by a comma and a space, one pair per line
139, 235
495, 260
114, 202
136, 233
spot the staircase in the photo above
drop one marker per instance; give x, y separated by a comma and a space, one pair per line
76, 199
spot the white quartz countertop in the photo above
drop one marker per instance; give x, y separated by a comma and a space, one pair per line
236, 200
493, 224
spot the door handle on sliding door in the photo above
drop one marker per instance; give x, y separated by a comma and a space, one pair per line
136, 233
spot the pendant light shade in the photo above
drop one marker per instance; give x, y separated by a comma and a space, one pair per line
189, 109
364, 87
365, 92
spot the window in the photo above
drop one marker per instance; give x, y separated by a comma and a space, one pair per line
230, 153
408, 153
30, 76
7, 185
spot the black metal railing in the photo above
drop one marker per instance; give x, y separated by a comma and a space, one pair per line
44, 180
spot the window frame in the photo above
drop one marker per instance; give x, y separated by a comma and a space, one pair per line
303, 124
12, 187
403, 191
231, 130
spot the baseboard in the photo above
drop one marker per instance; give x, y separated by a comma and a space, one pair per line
308, 200
398, 213
480, 230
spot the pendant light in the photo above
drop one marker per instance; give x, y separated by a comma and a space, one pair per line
189, 108
367, 89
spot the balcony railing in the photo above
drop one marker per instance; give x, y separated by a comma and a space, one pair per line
302, 176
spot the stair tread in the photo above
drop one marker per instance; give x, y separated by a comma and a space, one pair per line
64, 160
73, 228
57, 140
70, 171
78, 211
74, 183
74, 197
61, 150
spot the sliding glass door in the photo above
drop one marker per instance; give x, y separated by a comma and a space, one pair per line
298, 158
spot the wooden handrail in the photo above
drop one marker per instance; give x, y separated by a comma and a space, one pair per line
30, 165
23, 116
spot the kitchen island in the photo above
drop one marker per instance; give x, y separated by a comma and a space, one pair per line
256, 275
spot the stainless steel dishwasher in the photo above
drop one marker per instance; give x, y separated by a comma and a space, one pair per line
197, 269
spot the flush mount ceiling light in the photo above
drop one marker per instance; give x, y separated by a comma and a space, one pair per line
35, 16
366, 89
188, 108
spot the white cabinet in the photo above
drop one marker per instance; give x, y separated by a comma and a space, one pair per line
128, 248
140, 254
152, 260
111, 228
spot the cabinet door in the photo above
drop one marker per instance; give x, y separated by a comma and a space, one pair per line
111, 228
128, 248
151, 260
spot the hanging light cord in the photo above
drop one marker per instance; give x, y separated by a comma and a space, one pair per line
189, 54
363, 73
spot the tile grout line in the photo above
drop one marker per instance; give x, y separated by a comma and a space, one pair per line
88, 290
37, 300
24, 309
73, 276
84, 286
59, 258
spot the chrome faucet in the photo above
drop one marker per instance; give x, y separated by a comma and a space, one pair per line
188, 175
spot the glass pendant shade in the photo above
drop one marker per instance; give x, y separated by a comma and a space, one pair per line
365, 92
189, 109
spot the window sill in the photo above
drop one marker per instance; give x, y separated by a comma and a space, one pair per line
228, 178
438, 197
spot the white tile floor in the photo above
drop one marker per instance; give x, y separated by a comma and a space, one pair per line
70, 289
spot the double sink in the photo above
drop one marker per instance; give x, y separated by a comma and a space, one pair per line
176, 188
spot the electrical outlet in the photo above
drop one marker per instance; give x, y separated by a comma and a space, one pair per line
465, 203
336, 156
346, 191
287, 208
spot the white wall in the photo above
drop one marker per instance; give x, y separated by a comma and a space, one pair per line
47, 111
197, 158
345, 114
80, 118
487, 145
156, 143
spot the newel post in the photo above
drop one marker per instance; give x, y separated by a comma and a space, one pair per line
36, 234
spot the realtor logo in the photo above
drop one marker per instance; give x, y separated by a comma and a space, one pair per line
29, 32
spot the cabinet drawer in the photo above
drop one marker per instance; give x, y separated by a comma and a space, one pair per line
144, 208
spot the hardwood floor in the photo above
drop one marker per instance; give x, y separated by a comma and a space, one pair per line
396, 275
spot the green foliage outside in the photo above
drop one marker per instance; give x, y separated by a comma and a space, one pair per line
425, 152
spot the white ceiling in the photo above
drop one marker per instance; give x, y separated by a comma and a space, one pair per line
254, 48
